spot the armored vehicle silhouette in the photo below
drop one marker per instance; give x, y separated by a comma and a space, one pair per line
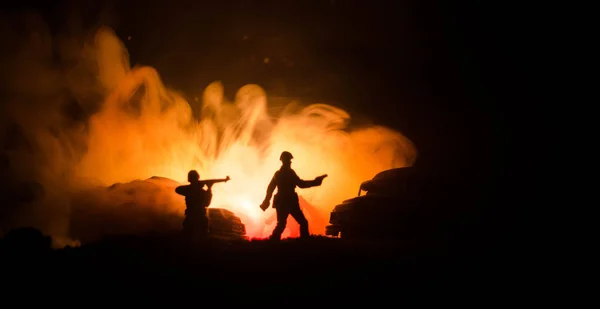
381, 212
224, 223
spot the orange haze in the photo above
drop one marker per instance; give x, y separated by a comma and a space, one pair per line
145, 129
237, 139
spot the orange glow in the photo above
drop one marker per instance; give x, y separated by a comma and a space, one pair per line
237, 139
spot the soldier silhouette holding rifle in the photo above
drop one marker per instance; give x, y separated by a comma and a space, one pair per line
286, 201
197, 200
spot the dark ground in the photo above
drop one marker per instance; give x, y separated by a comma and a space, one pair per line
152, 267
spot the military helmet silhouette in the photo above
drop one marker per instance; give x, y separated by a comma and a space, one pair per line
193, 175
285, 156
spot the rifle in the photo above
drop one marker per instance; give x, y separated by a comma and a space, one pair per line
210, 182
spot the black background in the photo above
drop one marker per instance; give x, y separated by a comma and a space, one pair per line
453, 76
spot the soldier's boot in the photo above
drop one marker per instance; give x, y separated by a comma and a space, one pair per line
305, 235
276, 235
275, 238
304, 232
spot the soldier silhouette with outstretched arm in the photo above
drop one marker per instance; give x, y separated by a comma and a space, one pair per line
197, 200
286, 201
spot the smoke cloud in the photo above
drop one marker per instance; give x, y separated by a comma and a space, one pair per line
76, 118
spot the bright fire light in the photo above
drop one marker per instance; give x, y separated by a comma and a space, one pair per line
145, 129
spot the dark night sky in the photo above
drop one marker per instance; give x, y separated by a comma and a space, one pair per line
424, 60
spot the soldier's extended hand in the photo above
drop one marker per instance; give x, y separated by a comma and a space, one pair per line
264, 205
320, 179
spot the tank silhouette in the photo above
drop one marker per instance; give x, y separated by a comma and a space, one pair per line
139, 207
224, 223
382, 212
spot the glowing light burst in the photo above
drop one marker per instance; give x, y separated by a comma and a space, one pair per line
145, 129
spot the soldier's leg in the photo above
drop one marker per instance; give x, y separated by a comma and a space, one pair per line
298, 215
186, 226
203, 227
282, 214
190, 229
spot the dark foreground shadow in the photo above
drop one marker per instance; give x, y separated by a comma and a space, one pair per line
234, 270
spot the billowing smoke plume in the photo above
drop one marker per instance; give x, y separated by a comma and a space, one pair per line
77, 118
